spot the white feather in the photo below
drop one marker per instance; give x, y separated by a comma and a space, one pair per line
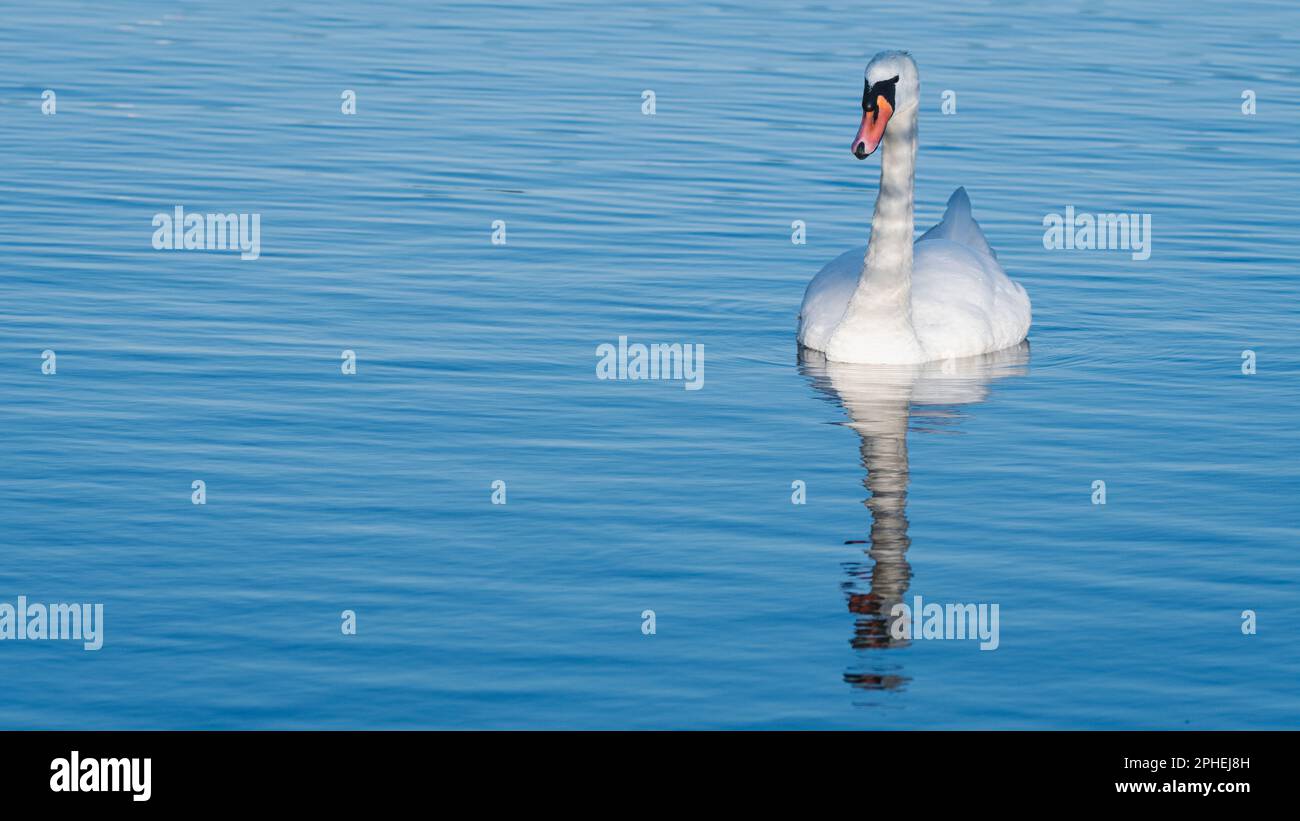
895, 302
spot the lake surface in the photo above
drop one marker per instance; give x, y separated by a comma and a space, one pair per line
476, 362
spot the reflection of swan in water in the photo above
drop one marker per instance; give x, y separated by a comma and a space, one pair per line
881, 401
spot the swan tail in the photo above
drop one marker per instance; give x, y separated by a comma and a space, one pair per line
958, 205
959, 226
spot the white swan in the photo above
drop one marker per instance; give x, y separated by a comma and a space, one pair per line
895, 302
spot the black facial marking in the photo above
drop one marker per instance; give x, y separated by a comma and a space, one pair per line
884, 88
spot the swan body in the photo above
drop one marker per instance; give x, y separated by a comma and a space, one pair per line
962, 302
900, 301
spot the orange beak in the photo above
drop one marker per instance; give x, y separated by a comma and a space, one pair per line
872, 129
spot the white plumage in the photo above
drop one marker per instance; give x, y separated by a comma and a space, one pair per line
898, 302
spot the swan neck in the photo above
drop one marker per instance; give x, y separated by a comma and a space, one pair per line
887, 269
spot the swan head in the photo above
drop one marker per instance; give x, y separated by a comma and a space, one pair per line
890, 84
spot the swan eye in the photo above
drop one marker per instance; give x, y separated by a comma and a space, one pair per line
872, 91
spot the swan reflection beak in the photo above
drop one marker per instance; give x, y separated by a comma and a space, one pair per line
872, 129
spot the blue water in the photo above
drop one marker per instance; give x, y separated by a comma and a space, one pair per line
476, 362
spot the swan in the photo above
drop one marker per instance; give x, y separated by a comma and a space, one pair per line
896, 302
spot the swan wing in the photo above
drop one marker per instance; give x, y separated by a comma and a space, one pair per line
827, 297
963, 303
959, 226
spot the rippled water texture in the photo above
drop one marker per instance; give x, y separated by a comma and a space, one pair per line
964, 482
